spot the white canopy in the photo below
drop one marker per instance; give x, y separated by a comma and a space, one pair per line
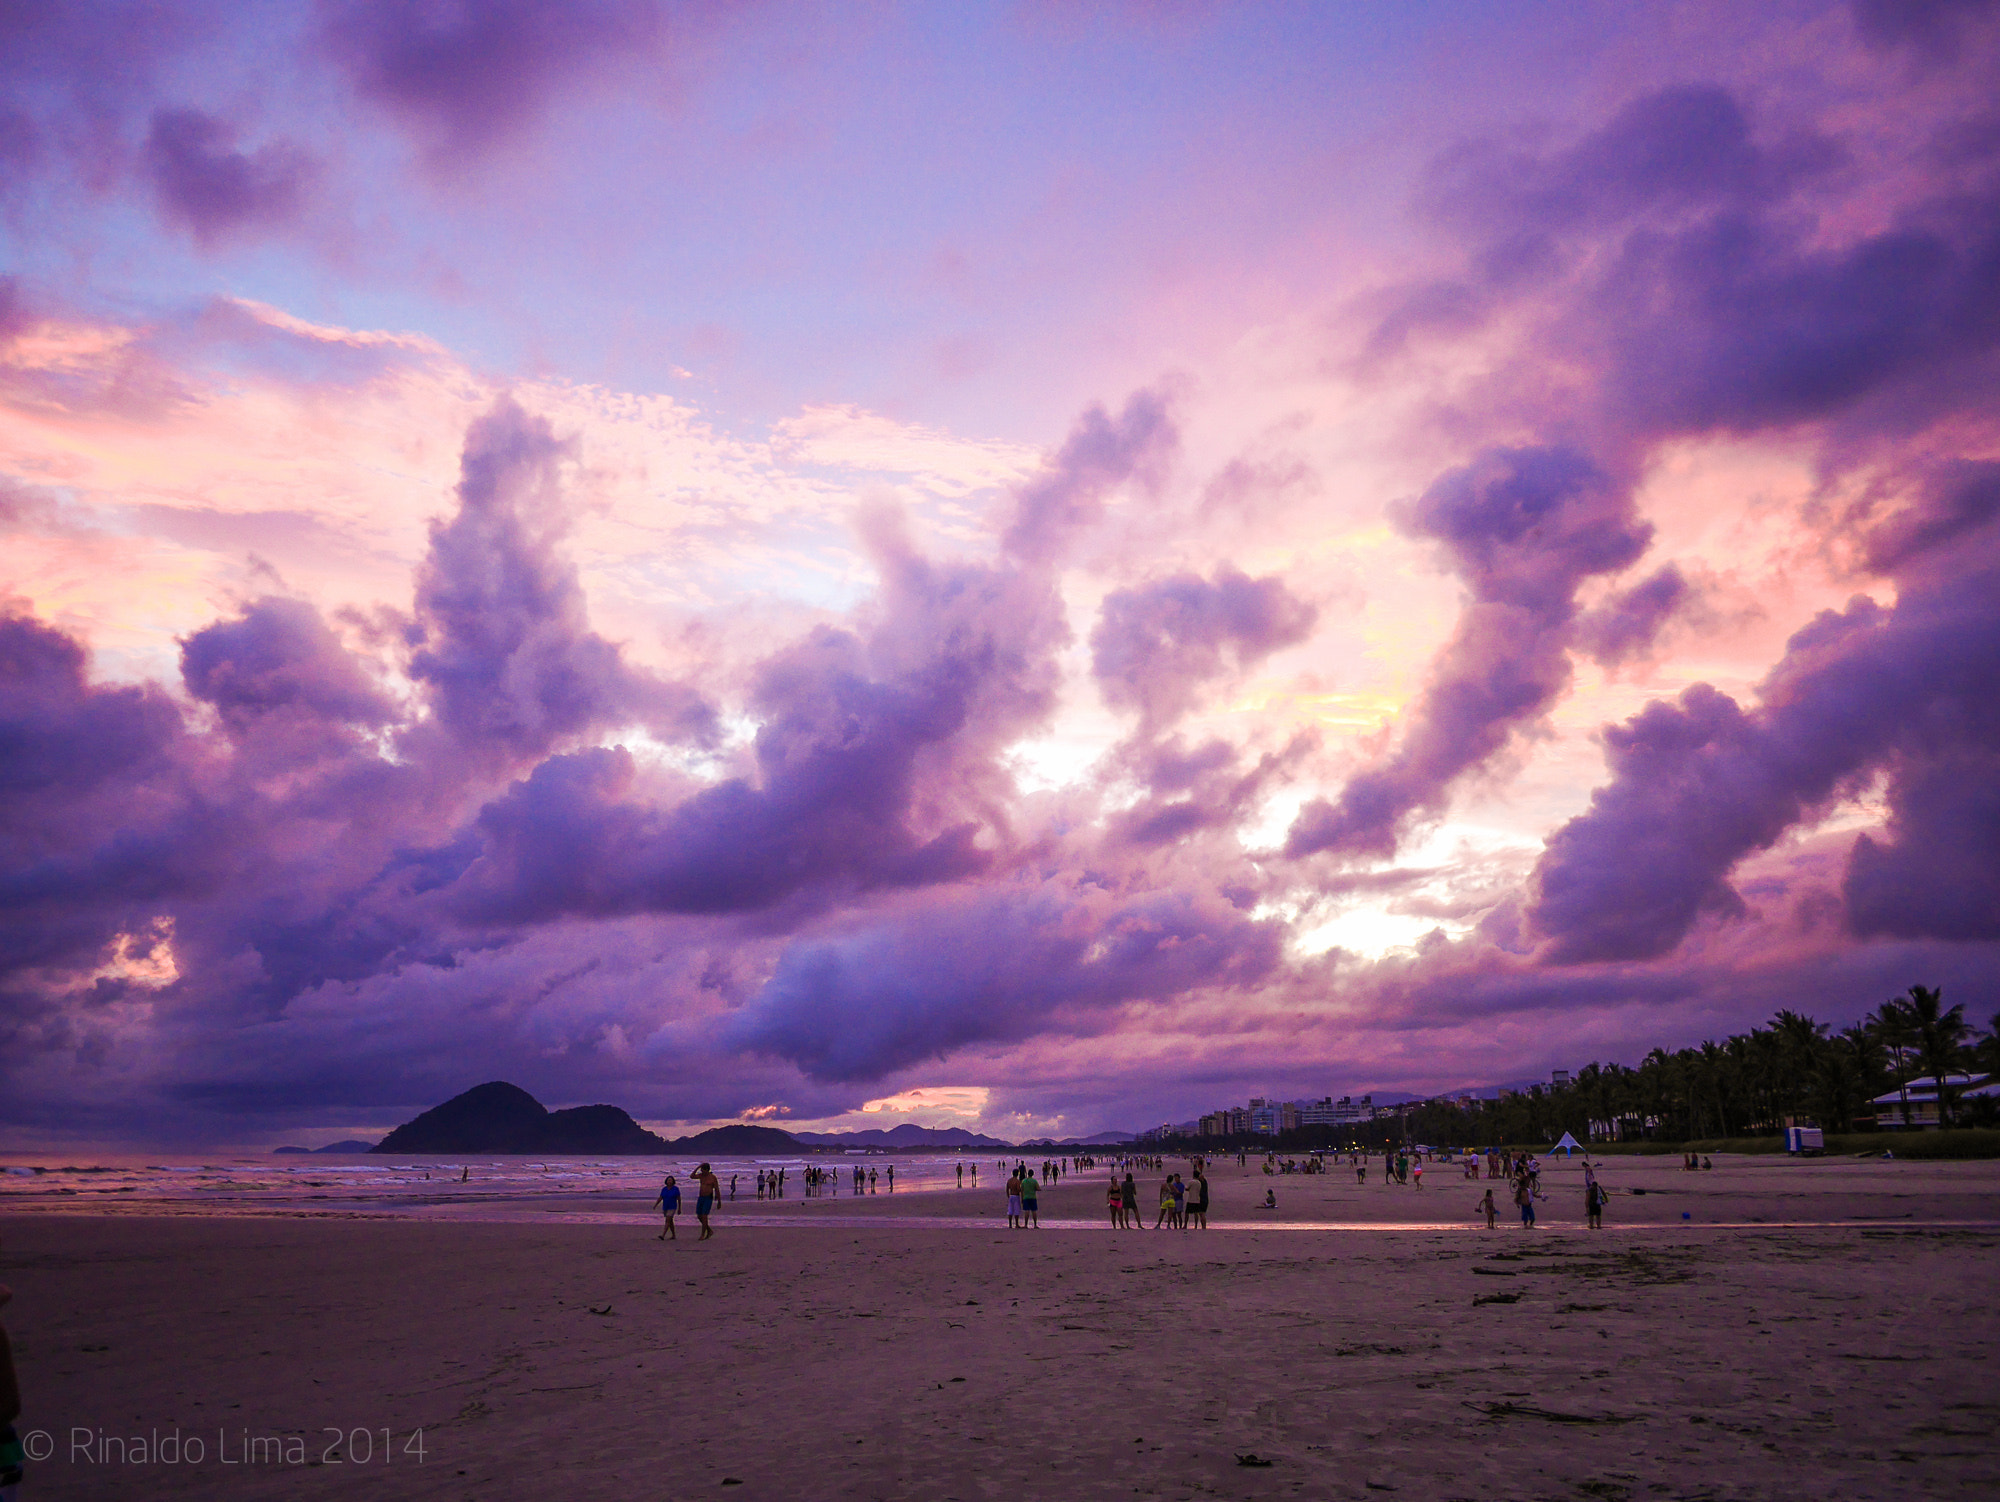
1567, 1145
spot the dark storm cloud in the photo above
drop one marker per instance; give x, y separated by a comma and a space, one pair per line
859, 1004
1157, 645
1524, 529
1701, 783
1678, 274
465, 77
862, 736
208, 187
89, 781
501, 636
1624, 626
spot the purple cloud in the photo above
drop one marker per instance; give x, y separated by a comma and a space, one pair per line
1699, 784
208, 187
501, 636
1625, 625
1524, 529
1157, 644
1100, 454
465, 77
859, 1004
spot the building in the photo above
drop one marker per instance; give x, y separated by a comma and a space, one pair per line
1559, 1080
1271, 1117
1916, 1104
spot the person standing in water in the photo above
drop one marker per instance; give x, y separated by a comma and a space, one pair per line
707, 1191
669, 1201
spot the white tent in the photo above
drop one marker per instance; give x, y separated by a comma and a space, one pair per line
1567, 1146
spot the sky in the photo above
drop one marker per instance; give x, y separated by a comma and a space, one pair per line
1037, 567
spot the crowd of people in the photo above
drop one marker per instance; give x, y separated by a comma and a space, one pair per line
1182, 1202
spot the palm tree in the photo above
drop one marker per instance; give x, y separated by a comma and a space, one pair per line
1940, 1039
1893, 1024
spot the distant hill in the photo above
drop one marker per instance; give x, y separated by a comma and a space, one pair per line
352, 1145
908, 1137
501, 1118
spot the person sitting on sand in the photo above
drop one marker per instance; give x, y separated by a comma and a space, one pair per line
1492, 1210
669, 1201
707, 1192
1031, 1201
1270, 1199
1706, 1163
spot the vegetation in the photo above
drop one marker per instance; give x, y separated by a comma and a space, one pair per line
1793, 1071
1750, 1086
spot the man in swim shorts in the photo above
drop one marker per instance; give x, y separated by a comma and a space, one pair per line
707, 1191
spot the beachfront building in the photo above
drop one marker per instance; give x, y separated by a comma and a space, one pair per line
1916, 1104
1270, 1117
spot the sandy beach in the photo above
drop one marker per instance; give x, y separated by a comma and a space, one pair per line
872, 1352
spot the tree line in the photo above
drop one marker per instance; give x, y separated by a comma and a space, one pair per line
1793, 1070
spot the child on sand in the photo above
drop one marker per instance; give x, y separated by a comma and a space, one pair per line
1492, 1210
669, 1201
1270, 1199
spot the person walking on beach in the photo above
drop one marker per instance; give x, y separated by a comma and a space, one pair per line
707, 1192
1013, 1200
1492, 1210
669, 1201
1525, 1198
1031, 1199
1593, 1204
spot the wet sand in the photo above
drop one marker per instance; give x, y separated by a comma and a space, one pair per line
899, 1358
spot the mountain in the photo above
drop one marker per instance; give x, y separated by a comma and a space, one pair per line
908, 1137
501, 1118
350, 1146
738, 1140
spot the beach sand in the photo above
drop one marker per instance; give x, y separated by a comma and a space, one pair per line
865, 1351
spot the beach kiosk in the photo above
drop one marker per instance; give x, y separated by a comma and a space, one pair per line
1567, 1146
1805, 1141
